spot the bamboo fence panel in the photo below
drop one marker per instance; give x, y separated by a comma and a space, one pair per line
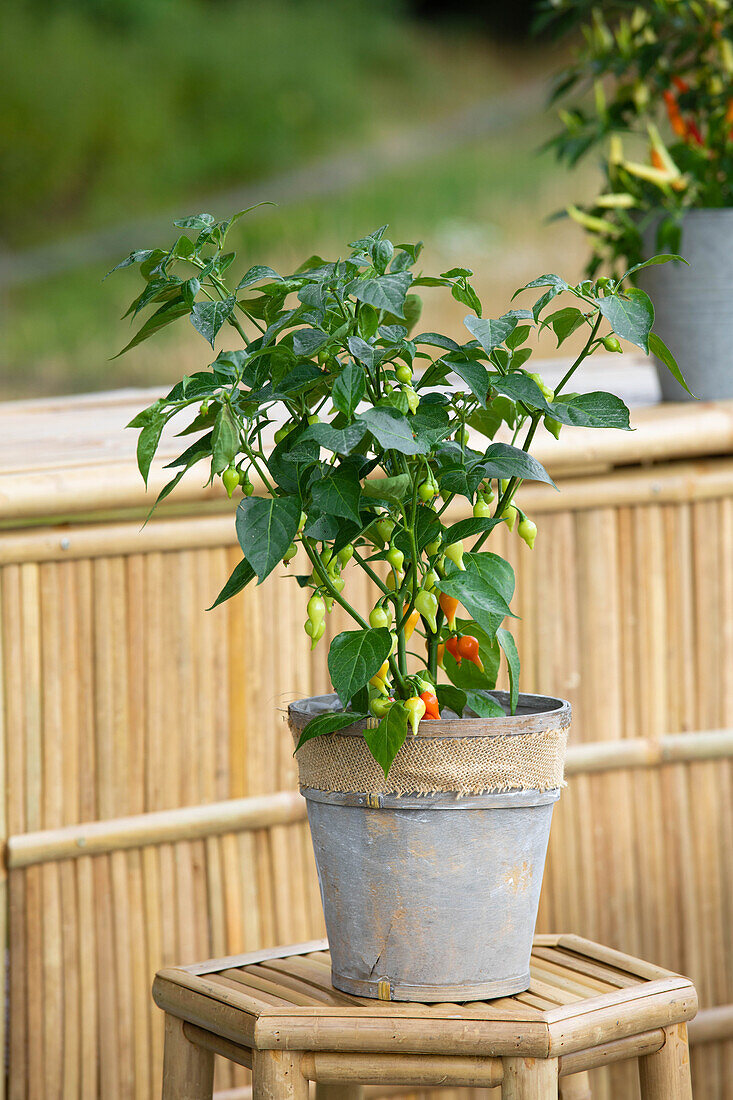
122, 696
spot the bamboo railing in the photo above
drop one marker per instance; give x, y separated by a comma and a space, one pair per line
148, 806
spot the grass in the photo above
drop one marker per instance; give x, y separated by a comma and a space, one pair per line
484, 206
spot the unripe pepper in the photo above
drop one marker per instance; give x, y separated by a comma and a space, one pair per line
385, 527
612, 343
345, 554
432, 548
415, 708
380, 617
553, 426
290, 553
413, 399
395, 558
427, 490
315, 632
481, 509
230, 479
449, 606
527, 530
427, 605
380, 706
316, 610
283, 433
430, 700
455, 553
430, 580
404, 374
461, 436
510, 515
546, 392
468, 648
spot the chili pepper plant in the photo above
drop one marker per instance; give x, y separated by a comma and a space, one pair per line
650, 87
372, 445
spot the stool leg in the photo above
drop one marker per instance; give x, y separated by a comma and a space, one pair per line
529, 1079
338, 1091
188, 1070
576, 1087
276, 1075
666, 1074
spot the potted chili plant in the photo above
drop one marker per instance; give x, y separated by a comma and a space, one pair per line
652, 88
429, 792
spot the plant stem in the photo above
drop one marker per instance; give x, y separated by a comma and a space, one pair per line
318, 568
569, 373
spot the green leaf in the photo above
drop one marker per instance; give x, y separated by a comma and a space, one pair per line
591, 410
392, 431
507, 643
437, 340
208, 317
225, 440
338, 495
147, 444
564, 322
630, 315
328, 723
196, 221
452, 698
475, 375
341, 441
658, 347
241, 575
497, 571
464, 293
387, 739
484, 705
354, 657
481, 599
136, 257
256, 274
466, 528
167, 313
307, 341
385, 292
543, 280
501, 460
490, 333
652, 262
265, 529
520, 387
391, 489
348, 389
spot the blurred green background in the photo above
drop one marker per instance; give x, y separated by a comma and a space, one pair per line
119, 115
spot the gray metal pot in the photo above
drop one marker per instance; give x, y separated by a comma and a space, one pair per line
694, 305
434, 897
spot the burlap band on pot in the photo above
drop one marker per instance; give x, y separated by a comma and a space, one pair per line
464, 756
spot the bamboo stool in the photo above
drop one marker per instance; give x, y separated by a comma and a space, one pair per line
277, 1013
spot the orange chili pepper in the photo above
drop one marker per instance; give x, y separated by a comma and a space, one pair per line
452, 646
680, 84
431, 704
468, 648
441, 654
729, 112
675, 118
411, 624
449, 606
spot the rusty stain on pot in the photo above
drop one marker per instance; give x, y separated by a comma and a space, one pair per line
519, 877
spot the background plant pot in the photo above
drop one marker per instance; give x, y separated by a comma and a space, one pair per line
694, 305
434, 897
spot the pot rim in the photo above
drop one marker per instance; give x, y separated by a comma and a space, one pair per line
535, 713
440, 800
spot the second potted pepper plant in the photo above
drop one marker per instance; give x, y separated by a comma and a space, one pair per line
429, 792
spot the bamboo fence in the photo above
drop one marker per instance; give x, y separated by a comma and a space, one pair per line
131, 717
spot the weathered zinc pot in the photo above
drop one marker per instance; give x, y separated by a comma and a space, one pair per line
430, 880
692, 305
